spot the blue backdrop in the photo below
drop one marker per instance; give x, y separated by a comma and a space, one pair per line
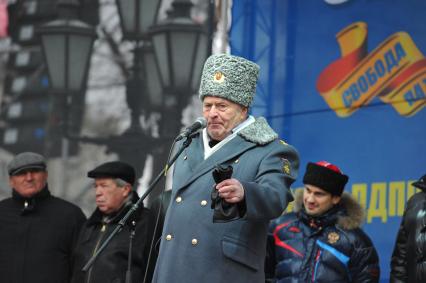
381, 150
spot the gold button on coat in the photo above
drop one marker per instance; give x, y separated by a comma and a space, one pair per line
179, 199
203, 203
169, 237
194, 242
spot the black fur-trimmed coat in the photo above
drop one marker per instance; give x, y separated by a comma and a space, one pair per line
330, 248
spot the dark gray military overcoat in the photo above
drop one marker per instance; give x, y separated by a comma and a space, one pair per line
193, 248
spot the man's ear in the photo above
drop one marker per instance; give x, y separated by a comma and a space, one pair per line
335, 199
127, 190
244, 111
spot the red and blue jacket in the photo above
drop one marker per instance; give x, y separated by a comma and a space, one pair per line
329, 248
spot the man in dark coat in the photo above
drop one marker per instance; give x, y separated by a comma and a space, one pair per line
321, 241
38, 231
408, 262
114, 197
217, 221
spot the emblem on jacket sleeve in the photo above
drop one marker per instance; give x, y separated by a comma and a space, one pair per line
286, 166
333, 237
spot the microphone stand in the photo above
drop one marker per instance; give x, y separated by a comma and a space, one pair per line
129, 257
135, 206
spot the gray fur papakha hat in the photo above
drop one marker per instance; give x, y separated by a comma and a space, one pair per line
231, 77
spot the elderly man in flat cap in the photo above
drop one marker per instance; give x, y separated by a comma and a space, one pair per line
38, 231
227, 185
114, 194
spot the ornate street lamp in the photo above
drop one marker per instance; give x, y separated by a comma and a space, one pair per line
136, 16
181, 47
67, 46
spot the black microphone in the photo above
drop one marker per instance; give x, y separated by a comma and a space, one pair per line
200, 123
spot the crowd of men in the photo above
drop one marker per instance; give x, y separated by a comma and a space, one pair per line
226, 220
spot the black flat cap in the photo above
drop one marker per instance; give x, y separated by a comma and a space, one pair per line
114, 169
26, 161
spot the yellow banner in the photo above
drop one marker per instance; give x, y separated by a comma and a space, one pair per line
395, 72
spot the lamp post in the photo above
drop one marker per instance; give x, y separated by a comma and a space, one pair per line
66, 38
178, 46
67, 47
136, 16
181, 47
168, 60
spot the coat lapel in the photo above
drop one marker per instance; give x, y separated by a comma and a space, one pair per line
195, 153
233, 148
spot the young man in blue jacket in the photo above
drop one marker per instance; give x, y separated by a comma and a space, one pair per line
322, 240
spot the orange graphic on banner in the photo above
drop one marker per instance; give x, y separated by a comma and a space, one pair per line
395, 72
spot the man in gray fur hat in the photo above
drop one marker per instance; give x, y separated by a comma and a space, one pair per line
227, 185
38, 231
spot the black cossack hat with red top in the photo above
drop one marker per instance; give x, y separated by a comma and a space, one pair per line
326, 176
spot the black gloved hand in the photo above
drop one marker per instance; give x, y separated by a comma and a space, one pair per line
222, 173
223, 211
